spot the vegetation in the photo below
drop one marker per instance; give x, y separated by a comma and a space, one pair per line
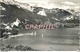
16, 48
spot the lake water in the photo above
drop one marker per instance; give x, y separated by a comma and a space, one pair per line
56, 39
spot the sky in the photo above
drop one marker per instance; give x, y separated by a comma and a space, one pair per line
54, 1
63, 4
35, 1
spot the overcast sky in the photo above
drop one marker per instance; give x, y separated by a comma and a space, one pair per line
63, 4
58, 2
54, 1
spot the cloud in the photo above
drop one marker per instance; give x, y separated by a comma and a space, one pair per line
34, 1
50, 5
69, 3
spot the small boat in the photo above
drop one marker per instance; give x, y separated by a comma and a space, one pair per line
42, 35
35, 33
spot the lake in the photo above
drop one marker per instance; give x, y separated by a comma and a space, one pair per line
66, 39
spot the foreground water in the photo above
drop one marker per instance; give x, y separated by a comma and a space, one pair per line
57, 39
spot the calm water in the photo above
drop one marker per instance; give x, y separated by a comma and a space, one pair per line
57, 39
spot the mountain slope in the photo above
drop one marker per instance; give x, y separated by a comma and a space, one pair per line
16, 10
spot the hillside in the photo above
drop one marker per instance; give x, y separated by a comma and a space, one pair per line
16, 10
